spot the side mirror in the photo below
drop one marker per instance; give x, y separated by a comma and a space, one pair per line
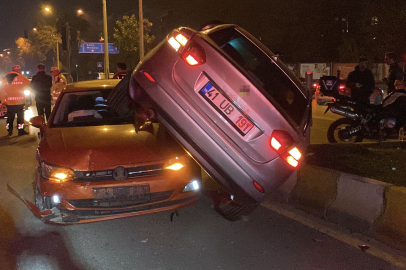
37, 121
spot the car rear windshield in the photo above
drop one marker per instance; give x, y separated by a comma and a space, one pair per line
276, 85
87, 108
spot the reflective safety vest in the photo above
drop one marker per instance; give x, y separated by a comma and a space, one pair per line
12, 93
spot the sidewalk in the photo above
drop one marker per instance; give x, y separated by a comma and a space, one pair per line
363, 205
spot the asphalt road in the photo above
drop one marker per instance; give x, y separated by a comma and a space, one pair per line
199, 238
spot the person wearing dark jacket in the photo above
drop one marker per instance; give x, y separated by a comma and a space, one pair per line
41, 85
361, 82
395, 71
121, 71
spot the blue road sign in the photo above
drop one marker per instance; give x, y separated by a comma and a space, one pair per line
112, 49
96, 47
100, 64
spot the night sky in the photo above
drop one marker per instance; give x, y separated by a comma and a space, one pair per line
19, 15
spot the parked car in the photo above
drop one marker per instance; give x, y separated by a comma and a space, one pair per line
93, 166
239, 111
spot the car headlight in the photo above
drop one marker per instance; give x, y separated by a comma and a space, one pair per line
56, 174
175, 164
193, 185
27, 92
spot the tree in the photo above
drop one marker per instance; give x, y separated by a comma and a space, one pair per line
40, 43
126, 38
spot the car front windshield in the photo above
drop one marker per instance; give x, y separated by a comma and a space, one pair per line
87, 108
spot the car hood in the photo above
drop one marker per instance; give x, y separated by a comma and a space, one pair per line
102, 147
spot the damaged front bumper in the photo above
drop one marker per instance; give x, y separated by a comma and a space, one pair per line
56, 216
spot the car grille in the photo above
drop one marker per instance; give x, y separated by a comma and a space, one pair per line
133, 172
122, 202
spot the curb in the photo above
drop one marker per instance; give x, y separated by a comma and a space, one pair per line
361, 204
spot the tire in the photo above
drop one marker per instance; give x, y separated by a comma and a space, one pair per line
337, 131
233, 211
3, 110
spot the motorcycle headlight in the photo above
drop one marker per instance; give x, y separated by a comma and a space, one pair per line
56, 174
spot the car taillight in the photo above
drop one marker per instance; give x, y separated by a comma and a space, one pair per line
191, 52
177, 40
283, 143
342, 86
194, 54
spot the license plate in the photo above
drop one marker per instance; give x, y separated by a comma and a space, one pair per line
222, 104
121, 192
329, 82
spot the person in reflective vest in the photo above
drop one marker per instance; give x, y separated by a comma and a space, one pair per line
12, 94
59, 83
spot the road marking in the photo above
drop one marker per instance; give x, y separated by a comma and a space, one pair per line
398, 261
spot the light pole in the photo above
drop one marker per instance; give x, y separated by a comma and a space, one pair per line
106, 42
141, 29
48, 10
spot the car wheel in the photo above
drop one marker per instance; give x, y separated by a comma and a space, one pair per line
338, 131
3, 110
233, 211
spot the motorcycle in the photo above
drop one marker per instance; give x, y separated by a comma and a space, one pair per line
361, 121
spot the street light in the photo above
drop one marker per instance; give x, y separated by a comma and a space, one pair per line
79, 11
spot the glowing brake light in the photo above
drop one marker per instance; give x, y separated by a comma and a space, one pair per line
191, 61
275, 144
342, 86
194, 54
282, 143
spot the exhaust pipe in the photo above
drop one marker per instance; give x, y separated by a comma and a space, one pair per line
344, 112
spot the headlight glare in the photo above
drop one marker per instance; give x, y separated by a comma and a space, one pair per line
193, 185
56, 174
175, 164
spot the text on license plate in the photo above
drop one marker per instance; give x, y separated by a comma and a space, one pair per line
120, 192
223, 105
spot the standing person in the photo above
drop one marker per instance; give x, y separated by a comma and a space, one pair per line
121, 71
361, 82
12, 93
395, 71
59, 83
41, 84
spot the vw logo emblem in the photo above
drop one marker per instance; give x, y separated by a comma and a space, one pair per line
120, 174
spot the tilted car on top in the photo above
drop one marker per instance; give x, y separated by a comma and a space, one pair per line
233, 105
93, 166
